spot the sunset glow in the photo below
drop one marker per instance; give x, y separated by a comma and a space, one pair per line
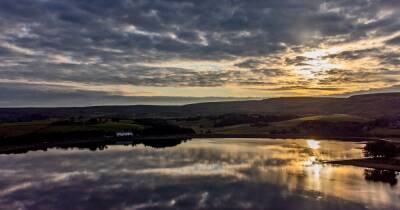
192, 49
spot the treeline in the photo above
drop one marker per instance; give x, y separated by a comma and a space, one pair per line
383, 149
99, 127
149, 126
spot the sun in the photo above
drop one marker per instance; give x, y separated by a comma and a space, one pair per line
316, 61
312, 144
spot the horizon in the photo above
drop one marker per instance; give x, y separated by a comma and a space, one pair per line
84, 53
171, 101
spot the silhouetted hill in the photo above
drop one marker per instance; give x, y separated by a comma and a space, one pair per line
371, 105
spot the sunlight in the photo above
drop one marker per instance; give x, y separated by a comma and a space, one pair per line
315, 54
316, 62
316, 170
312, 144
199, 65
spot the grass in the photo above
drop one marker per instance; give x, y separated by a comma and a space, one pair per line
335, 118
20, 129
330, 118
199, 126
204, 125
100, 127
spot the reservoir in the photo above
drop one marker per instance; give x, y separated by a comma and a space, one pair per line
197, 174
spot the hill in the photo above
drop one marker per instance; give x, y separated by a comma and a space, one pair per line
368, 106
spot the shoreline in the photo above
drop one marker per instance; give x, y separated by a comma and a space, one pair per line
40, 145
390, 164
23, 143
339, 138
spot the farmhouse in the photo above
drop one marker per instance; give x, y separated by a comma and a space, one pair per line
124, 134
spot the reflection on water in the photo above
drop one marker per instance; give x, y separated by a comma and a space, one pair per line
384, 176
312, 144
199, 174
92, 145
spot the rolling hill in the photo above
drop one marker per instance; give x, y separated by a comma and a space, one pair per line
369, 106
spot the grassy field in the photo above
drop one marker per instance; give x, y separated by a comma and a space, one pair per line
204, 125
336, 118
18, 129
47, 127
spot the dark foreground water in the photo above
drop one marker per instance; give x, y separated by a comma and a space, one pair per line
199, 174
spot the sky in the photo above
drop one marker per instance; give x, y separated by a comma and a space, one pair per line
74, 52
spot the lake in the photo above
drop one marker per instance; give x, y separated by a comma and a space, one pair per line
197, 174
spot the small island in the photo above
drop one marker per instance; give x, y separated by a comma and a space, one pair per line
381, 154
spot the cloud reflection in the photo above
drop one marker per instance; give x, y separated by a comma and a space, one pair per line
200, 174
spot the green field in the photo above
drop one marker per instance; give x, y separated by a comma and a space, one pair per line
204, 125
46, 127
335, 118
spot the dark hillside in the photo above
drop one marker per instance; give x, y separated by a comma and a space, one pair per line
372, 105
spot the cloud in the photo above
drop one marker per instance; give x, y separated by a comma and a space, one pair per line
111, 42
159, 179
340, 76
394, 41
250, 63
297, 61
298, 87
271, 72
355, 54
229, 29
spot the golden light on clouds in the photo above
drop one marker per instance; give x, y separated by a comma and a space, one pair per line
325, 70
316, 62
246, 49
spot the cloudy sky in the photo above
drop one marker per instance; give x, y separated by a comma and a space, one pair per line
113, 51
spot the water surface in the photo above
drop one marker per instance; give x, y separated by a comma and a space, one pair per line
198, 174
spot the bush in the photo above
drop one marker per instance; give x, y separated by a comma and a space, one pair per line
381, 149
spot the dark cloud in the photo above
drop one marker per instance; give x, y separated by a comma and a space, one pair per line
297, 61
271, 72
340, 76
254, 66
135, 75
193, 29
108, 41
384, 56
355, 54
394, 41
249, 63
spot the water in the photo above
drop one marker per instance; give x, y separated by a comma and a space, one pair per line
198, 174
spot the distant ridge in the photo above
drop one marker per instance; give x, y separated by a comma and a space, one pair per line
369, 105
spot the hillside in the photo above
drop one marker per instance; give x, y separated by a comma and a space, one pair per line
369, 106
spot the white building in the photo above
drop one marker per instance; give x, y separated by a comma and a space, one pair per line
123, 134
